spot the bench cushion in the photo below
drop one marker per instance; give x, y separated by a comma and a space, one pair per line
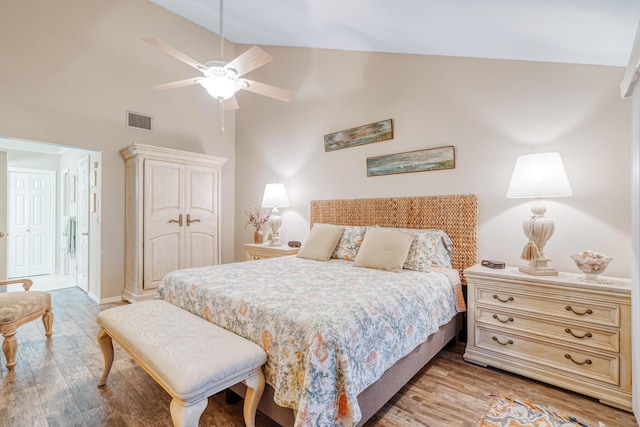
16, 305
190, 357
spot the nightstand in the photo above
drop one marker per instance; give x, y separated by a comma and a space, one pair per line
262, 251
557, 329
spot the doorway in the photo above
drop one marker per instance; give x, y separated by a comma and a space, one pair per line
65, 205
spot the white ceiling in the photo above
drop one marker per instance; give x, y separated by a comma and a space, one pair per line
597, 32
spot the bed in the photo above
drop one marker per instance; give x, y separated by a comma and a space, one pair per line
334, 356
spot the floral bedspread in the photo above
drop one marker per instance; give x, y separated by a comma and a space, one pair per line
329, 329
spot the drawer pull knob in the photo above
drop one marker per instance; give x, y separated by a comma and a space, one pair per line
504, 343
495, 296
510, 319
587, 361
587, 311
587, 335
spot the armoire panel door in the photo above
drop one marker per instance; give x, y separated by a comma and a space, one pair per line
164, 220
201, 238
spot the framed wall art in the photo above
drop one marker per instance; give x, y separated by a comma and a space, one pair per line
412, 161
373, 132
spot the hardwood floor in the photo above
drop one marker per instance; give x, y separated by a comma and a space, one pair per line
54, 384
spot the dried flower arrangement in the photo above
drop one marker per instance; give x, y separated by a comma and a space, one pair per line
255, 217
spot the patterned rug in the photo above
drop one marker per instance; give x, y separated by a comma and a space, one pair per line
507, 412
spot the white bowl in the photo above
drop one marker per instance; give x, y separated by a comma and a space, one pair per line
591, 263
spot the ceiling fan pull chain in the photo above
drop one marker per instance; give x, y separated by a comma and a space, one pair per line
221, 116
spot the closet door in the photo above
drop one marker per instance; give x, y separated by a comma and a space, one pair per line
19, 262
30, 232
164, 220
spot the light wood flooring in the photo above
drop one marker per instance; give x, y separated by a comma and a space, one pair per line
54, 384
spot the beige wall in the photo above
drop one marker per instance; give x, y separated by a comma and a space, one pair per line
492, 111
70, 70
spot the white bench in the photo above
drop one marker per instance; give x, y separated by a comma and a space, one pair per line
188, 356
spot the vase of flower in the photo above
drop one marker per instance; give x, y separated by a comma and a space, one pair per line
257, 219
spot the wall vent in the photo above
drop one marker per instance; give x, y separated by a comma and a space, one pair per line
139, 121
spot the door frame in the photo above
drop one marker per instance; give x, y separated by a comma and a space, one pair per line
4, 198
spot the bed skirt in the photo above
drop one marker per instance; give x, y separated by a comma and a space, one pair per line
373, 398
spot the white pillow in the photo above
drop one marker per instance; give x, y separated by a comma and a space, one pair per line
321, 242
384, 249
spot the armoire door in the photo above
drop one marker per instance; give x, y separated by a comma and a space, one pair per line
164, 219
201, 219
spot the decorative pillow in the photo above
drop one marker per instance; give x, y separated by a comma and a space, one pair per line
442, 257
321, 242
384, 249
350, 242
429, 247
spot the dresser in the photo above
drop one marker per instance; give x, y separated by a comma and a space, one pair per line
556, 329
172, 218
261, 251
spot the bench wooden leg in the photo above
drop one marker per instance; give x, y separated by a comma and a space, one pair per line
187, 416
255, 387
107, 351
10, 348
47, 320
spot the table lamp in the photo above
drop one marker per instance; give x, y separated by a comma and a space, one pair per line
275, 196
537, 176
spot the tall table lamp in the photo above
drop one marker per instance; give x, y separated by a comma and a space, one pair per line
537, 176
275, 196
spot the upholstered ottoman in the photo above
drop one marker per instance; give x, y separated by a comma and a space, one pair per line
18, 308
188, 356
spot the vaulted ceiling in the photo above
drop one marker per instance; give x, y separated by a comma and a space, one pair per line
597, 32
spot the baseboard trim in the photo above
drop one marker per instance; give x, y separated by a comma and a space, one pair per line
109, 300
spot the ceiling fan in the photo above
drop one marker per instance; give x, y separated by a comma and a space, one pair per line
223, 79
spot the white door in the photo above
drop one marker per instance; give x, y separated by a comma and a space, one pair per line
30, 242
19, 248
40, 224
4, 173
201, 238
82, 224
164, 224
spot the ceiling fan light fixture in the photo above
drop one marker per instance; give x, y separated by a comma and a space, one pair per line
220, 87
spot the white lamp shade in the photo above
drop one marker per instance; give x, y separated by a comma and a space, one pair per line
275, 195
539, 175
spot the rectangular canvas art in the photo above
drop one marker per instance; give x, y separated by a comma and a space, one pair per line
374, 132
412, 161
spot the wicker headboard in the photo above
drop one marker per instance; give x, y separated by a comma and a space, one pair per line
456, 214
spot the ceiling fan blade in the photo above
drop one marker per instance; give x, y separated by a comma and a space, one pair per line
285, 95
250, 60
179, 83
176, 53
231, 104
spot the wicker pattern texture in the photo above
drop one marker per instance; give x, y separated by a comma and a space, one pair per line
456, 214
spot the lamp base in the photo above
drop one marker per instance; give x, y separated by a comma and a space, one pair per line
538, 267
275, 242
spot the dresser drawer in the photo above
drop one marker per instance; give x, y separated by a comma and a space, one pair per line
575, 310
570, 333
600, 367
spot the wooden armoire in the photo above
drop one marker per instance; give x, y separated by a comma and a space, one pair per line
172, 215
